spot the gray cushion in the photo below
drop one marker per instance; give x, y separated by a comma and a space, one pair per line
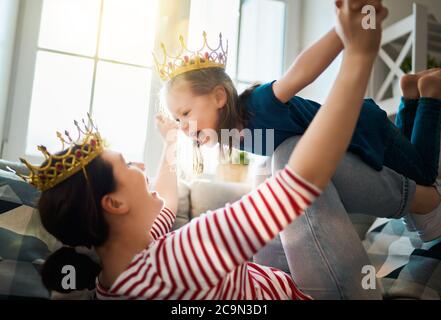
183, 214
210, 195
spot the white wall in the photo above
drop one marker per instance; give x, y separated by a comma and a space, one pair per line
8, 21
318, 17
399, 9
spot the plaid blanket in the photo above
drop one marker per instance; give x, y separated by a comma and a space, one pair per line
25, 243
407, 267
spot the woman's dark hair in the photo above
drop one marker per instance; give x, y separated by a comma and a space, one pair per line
234, 114
71, 211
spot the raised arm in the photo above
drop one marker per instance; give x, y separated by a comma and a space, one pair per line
324, 143
200, 254
308, 66
166, 181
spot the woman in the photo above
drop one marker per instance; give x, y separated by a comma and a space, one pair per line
101, 201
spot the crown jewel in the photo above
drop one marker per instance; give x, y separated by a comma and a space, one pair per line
77, 155
188, 60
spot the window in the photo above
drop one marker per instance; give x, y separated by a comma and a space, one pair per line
249, 26
213, 17
262, 26
101, 65
91, 56
78, 56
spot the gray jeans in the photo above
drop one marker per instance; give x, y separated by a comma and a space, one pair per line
321, 249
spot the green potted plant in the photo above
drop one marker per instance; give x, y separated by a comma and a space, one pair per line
241, 157
235, 168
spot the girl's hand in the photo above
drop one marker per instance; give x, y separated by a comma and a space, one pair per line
356, 38
166, 182
167, 127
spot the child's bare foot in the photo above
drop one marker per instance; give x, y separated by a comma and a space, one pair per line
429, 85
409, 83
409, 86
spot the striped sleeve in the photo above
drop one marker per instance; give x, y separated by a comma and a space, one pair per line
202, 252
163, 223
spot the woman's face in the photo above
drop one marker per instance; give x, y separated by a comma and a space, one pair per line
195, 112
133, 187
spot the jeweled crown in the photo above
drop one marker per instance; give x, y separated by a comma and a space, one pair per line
187, 60
57, 168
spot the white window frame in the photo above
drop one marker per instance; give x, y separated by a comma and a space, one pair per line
25, 51
22, 83
292, 35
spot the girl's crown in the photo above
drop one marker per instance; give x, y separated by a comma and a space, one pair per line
58, 168
187, 60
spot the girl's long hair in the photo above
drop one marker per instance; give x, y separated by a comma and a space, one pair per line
232, 116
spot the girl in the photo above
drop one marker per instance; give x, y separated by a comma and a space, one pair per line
204, 100
103, 202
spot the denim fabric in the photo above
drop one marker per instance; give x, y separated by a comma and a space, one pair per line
321, 249
414, 144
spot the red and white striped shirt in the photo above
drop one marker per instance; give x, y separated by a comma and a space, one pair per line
207, 258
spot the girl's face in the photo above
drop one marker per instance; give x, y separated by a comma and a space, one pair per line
195, 112
133, 189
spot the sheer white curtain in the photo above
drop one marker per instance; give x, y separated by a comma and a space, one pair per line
255, 33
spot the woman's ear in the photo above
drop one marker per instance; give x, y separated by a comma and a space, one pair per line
112, 205
220, 96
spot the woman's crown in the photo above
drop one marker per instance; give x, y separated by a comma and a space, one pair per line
188, 60
57, 168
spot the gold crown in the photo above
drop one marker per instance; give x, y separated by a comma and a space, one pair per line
188, 60
58, 168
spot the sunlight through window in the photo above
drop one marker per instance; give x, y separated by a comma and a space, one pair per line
94, 56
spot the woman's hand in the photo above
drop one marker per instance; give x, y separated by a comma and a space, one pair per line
167, 127
356, 38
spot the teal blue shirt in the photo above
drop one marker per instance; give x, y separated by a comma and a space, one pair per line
293, 118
